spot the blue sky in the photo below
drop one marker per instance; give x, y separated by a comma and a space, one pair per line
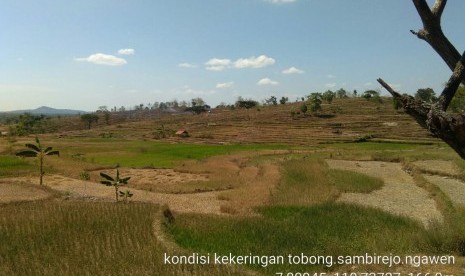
88, 53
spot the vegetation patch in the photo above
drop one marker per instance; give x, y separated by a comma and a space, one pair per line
139, 154
325, 229
352, 182
304, 182
14, 166
308, 181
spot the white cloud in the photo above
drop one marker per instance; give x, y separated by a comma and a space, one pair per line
225, 85
267, 81
329, 76
330, 85
281, 1
103, 59
254, 62
368, 84
216, 64
196, 92
292, 70
187, 65
126, 52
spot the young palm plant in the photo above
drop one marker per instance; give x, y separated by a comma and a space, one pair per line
40, 152
115, 182
126, 195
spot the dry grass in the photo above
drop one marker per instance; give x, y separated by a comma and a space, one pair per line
304, 183
82, 238
17, 191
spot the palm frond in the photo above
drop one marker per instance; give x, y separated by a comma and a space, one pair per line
33, 147
106, 182
27, 153
53, 152
106, 176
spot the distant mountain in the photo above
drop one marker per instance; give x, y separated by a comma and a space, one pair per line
44, 110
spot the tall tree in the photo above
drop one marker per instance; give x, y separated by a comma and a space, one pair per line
450, 127
328, 96
341, 93
426, 94
89, 118
197, 101
271, 101
315, 102
40, 152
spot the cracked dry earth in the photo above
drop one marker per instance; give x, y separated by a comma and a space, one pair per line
399, 194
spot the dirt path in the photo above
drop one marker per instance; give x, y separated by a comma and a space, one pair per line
399, 195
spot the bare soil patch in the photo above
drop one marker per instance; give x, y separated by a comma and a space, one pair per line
161, 180
399, 195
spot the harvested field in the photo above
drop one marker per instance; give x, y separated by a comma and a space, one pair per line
160, 180
16, 190
453, 188
441, 167
399, 195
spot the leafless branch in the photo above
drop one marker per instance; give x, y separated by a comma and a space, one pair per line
432, 32
424, 11
446, 126
452, 84
438, 8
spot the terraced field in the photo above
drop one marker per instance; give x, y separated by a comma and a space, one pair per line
343, 120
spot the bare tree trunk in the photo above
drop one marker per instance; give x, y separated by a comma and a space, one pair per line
41, 166
446, 126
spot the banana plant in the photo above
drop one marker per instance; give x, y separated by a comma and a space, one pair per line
125, 195
40, 152
115, 182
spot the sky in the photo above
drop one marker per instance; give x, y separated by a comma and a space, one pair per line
90, 53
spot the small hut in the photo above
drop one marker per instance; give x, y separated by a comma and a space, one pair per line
182, 133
